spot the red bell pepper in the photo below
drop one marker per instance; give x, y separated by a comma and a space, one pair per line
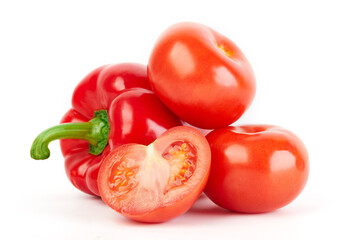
112, 105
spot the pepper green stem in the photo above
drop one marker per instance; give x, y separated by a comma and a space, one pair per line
96, 132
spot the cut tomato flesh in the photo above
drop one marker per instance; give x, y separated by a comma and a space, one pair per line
140, 184
121, 177
158, 182
181, 157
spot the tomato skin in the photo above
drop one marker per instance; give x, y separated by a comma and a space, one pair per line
199, 73
178, 199
256, 168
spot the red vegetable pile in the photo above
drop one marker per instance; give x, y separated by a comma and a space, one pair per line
124, 138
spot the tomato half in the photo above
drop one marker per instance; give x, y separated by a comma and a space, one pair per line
201, 75
157, 182
256, 168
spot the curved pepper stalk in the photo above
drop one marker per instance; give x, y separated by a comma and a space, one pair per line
96, 132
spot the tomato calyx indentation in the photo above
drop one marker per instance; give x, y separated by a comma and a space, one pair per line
225, 50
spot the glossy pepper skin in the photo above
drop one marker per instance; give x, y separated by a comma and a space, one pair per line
112, 105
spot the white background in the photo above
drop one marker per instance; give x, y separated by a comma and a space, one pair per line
306, 57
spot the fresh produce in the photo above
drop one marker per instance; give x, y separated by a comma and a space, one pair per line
256, 168
112, 104
123, 138
157, 182
201, 75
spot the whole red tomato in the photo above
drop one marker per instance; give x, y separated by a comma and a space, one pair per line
256, 168
201, 76
157, 182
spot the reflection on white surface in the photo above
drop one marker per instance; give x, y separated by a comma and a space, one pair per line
282, 160
236, 154
182, 60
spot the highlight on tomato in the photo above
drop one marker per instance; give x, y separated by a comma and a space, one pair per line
256, 168
158, 182
201, 75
